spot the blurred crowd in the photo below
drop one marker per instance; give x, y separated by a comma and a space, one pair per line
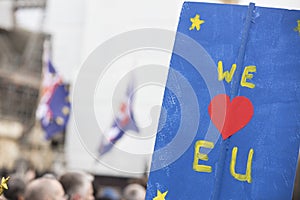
72, 185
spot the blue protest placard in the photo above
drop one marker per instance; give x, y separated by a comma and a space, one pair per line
230, 121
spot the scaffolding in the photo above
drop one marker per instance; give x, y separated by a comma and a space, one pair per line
21, 61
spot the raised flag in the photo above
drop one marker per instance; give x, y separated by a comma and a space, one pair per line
230, 125
124, 121
54, 108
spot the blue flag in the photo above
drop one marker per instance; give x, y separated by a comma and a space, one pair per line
54, 107
231, 120
124, 121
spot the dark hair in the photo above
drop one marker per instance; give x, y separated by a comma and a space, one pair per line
16, 187
76, 182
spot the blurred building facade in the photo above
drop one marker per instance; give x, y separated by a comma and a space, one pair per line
21, 61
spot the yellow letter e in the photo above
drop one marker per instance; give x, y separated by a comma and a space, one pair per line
200, 156
246, 76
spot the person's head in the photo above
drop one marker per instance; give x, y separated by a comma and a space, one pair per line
134, 192
44, 189
16, 187
78, 185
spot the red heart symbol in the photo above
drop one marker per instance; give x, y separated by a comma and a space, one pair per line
229, 117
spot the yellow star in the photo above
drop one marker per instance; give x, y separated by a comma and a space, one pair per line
298, 27
196, 22
3, 184
160, 196
65, 110
60, 121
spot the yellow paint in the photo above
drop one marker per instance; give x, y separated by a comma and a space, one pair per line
298, 27
246, 76
196, 22
227, 75
241, 177
3, 185
160, 196
200, 156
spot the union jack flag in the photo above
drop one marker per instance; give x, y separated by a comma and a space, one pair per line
123, 122
54, 107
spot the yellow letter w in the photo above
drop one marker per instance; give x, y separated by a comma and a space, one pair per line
227, 75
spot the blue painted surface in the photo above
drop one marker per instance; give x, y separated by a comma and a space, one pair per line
273, 46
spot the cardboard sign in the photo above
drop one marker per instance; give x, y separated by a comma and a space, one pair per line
230, 122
